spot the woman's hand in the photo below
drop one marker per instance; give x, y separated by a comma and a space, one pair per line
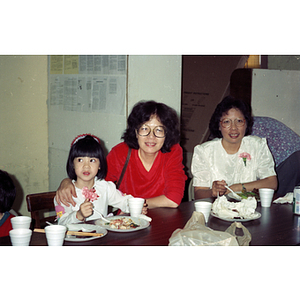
65, 192
218, 187
145, 209
85, 210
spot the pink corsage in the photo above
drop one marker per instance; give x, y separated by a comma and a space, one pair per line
89, 194
245, 156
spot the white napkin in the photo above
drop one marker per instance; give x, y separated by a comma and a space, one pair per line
226, 209
288, 198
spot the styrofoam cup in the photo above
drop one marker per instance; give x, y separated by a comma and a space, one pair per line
55, 234
204, 207
20, 222
20, 236
136, 206
266, 196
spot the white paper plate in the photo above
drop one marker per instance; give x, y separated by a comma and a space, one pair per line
87, 228
139, 221
256, 216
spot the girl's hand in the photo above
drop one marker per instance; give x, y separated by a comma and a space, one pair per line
85, 210
145, 208
218, 187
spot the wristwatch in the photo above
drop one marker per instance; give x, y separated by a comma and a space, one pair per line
244, 189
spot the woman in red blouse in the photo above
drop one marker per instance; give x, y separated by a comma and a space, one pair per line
155, 170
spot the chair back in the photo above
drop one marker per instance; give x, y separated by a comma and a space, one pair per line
39, 205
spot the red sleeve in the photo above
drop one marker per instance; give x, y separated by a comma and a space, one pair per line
174, 175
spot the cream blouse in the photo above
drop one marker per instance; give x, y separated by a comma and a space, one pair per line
211, 162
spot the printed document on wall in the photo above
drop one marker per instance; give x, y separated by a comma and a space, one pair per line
88, 83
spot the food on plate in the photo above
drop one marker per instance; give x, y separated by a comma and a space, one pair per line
235, 210
122, 223
245, 194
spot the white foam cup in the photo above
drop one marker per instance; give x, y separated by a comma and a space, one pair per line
20, 236
204, 207
55, 234
266, 196
20, 222
136, 206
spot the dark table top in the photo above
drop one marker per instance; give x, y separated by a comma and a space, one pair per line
277, 226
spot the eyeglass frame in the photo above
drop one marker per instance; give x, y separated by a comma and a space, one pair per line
159, 137
231, 122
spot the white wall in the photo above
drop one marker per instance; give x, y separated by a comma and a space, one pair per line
23, 124
276, 94
155, 77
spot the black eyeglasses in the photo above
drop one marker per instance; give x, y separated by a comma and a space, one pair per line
158, 131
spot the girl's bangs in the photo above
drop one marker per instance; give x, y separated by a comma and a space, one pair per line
87, 150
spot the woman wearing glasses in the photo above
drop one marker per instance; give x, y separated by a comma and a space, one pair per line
155, 170
233, 157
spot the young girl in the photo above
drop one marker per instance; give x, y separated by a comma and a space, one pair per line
87, 168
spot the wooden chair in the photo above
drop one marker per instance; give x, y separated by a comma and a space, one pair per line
38, 205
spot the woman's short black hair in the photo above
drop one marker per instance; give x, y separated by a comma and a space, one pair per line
224, 106
90, 147
7, 192
142, 112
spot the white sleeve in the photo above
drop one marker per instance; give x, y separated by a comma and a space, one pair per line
265, 166
200, 168
116, 198
65, 214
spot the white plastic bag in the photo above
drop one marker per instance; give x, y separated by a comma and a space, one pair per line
243, 240
195, 233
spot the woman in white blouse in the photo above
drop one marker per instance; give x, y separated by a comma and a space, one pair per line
233, 157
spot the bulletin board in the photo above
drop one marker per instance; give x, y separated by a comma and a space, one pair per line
86, 94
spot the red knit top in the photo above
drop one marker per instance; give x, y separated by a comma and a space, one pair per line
166, 176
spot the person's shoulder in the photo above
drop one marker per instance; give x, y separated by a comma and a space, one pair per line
100, 183
209, 144
7, 216
118, 152
176, 148
10, 216
252, 140
119, 147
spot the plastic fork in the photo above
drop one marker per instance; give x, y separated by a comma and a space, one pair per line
101, 216
234, 193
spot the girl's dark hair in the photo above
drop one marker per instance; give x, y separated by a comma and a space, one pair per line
142, 112
87, 146
7, 192
224, 106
